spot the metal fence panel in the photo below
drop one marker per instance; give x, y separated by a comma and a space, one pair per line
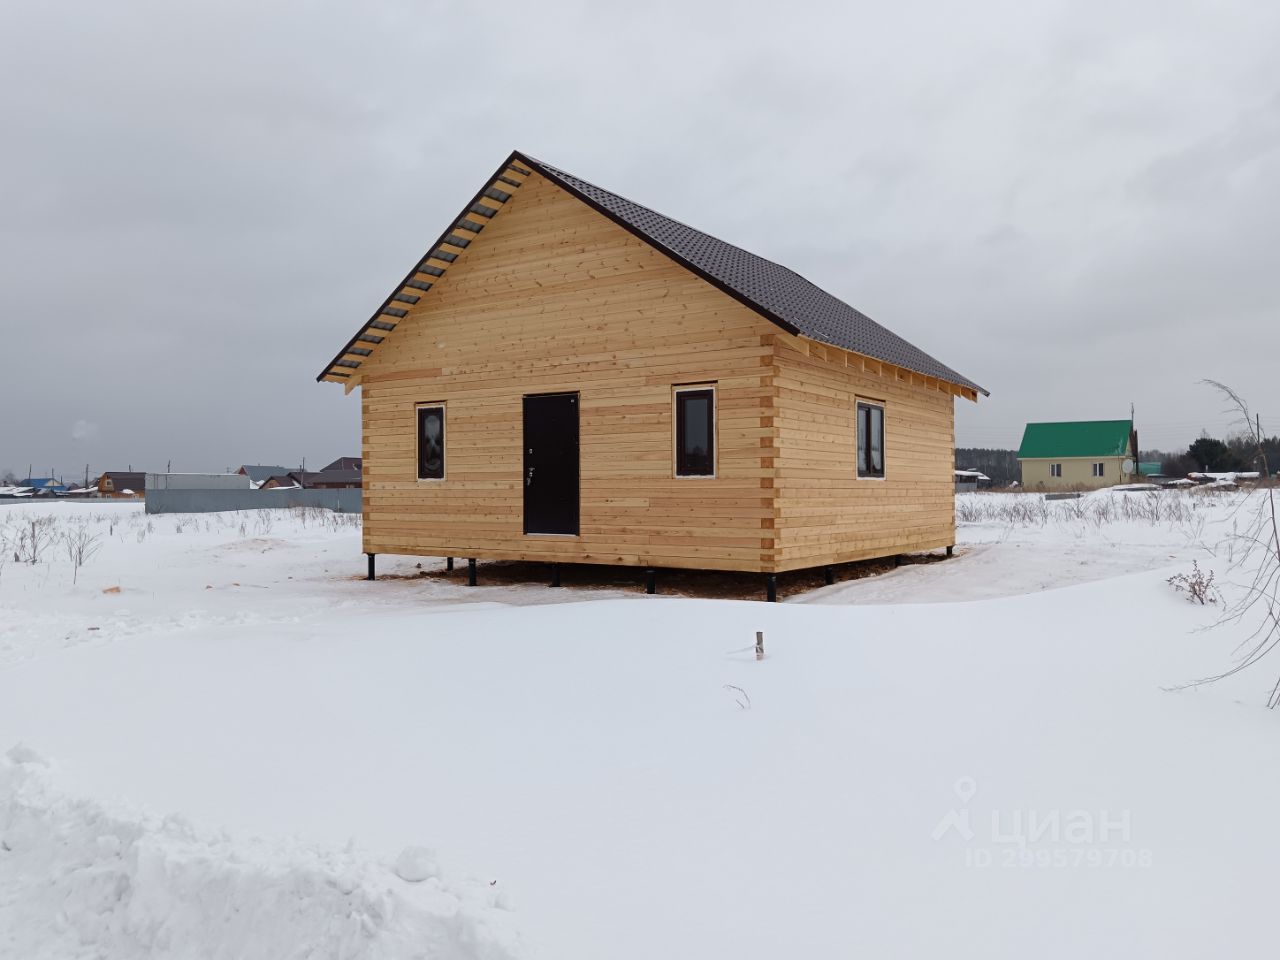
214, 501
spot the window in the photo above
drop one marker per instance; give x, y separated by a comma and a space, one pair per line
1055, 469
870, 440
431, 442
1098, 469
696, 432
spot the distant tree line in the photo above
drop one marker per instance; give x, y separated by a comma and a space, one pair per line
1237, 453
1000, 465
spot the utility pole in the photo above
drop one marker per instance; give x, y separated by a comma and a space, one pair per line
1258, 430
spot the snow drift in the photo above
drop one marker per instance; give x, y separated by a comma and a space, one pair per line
77, 880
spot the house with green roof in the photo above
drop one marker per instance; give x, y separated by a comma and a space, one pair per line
1078, 455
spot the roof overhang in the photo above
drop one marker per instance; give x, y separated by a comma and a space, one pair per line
426, 273
480, 211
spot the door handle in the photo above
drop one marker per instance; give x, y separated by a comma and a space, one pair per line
528, 477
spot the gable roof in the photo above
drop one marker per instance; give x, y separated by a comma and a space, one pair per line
125, 480
344, 463
1077, 438
775, 292
259, 474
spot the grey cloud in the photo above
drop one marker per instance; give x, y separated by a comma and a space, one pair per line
1074, 205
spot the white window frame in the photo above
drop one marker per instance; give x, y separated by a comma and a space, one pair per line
884, 436
675, 430
1099, 469
417, 440
1055, 471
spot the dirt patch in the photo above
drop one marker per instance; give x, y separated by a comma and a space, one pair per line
705, 584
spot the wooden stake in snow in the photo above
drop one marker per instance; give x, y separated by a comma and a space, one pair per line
759, 644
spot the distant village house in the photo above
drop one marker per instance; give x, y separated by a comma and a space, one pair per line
117, 484
259, 474
1078, 455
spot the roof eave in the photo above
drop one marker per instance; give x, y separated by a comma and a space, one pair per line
328, 370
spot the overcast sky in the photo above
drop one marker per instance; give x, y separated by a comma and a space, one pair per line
1075, 204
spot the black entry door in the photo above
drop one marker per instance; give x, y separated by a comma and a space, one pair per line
551, 463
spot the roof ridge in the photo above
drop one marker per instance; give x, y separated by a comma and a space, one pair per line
710, 236
778, 293
644, 206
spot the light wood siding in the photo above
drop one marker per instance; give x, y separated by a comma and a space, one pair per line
552, 297
825, 513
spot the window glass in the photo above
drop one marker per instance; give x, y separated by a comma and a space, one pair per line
431, 443
695, 433
870, 418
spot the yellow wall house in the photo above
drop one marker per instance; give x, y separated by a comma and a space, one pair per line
569, 377
1078, 455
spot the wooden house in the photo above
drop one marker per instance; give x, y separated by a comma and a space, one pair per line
567, 376
118, 484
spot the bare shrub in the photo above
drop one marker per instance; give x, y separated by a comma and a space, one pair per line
80, 545
33, 539
1153, 507
1260, 541
1196, 585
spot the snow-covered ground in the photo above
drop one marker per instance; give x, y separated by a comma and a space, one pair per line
227, 744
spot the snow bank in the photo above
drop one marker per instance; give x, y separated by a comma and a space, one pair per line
77, 880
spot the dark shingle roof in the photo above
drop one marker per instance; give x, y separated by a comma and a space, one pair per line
782, 295
345, 463
776, 293
126, 480
327, 477
260, 473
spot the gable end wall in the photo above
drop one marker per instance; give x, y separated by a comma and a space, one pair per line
554, 297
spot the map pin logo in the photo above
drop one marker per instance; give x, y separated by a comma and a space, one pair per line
966, 788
